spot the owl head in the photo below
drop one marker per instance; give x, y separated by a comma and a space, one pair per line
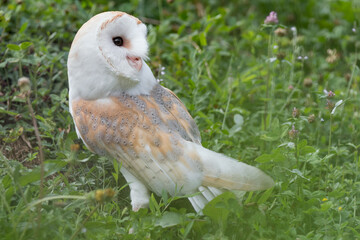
107, 56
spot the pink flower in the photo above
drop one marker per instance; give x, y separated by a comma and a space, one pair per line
272, 18
329, 94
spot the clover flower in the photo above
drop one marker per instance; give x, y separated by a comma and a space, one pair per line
307, 82
272, 18
329, 94
295, 113
333, 56
293, 133
280, 32
311, 118
24, 84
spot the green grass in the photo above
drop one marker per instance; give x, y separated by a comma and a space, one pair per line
240, 81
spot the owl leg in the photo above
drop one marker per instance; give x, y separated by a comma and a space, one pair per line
139, 194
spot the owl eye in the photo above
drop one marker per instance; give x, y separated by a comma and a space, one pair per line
118, 41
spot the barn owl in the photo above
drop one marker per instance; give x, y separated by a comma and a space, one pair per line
121, 111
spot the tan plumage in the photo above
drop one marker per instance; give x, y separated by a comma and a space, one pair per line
121, 111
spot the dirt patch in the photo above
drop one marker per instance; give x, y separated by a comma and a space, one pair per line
20, 150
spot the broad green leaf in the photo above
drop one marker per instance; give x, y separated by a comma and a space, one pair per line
25, 45
307, 149
13, 47
3, 64
302, 143
276, 156
264, 158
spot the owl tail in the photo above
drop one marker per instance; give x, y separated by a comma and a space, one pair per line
224, 173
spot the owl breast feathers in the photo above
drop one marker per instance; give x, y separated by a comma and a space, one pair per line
121, 111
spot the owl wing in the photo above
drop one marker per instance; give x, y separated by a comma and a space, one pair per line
165, 98
146, 133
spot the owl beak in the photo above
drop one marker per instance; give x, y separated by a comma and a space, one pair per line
135, 62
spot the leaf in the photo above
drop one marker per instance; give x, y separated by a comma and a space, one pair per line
3, 64
2, 110
13, 47
276, 155
203, 41
326, 206
264, 158
13, 60
302, 143
265, 196
153, 204
25, 45
164, 196
299, 173
169, 219
249, 78
188, 228
274, 133
23, 27
248, 199
307, 149
217, 209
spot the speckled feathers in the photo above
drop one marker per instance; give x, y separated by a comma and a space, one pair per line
141, 131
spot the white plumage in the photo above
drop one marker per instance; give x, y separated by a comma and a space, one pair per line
121, 111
